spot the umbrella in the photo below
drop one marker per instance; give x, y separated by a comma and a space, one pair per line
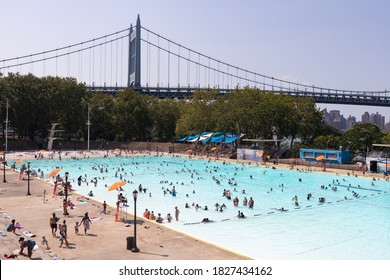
117, 149
116, 185
189, 151
213, 148
260, 153
19, 161
42, 151
54, 172
320, 158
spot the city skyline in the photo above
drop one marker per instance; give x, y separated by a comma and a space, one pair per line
336, 119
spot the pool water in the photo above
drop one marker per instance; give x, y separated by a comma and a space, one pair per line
343, 227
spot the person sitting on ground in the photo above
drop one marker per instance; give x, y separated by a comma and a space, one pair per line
90, 193
159, 219
12, 227
169, 217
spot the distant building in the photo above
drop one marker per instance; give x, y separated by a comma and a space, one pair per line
366, 117
336, 119
351, 121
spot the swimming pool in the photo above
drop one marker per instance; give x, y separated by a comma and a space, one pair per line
343, 227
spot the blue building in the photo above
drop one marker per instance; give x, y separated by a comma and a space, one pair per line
330, 156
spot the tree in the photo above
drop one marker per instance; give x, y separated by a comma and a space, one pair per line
101, 116
198, 113
132, 116
360, 137
165, 113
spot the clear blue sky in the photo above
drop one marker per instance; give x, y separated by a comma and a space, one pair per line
328, 43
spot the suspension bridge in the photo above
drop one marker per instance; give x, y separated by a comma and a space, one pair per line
116, 61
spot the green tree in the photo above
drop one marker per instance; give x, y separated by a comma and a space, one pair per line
198, 113
360, 137
100, 106
165, 113
132, 115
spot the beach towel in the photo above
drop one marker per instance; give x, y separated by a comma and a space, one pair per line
93, 219
28, 234
12, 256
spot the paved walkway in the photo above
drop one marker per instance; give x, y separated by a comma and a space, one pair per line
106, 240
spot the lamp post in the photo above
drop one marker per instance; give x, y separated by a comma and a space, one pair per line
4, 163
89, 125
135, 249
28, 178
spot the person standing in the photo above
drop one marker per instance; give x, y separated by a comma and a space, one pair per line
104, 207
63, 234
53, 224
251, 203
86, 221
65, 206
177, 212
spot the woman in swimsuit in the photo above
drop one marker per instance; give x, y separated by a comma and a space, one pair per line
86, 222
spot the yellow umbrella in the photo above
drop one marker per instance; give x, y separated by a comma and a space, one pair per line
320, 158
54, 172
213, 148
116, 185
19, 161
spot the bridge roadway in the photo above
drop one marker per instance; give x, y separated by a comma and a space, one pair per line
330, 97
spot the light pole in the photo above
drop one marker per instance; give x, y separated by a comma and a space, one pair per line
4, 164
135, 249
28, 178
88, 124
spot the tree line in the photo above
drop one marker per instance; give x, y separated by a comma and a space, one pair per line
35, 103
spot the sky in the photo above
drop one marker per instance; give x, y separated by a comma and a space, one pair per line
327, 43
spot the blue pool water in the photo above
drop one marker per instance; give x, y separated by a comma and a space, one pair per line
344, 227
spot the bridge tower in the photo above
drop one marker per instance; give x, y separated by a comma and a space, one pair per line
134, 74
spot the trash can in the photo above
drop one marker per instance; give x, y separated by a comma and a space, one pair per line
373, 166
130, 242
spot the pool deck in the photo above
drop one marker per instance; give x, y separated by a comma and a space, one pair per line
106, 240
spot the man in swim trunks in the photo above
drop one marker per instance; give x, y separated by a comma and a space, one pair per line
53, 224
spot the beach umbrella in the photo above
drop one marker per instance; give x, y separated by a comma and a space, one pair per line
213, 149
116, 185
54, 172
117, 149
42, 151
19, 161
320, 158
260, 153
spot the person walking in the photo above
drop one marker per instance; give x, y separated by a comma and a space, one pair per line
63, 234
86, 221
53, 224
